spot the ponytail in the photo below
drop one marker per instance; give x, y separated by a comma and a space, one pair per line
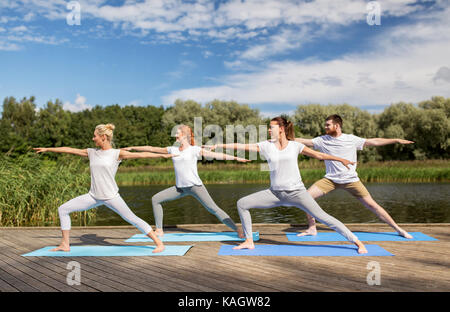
289, 130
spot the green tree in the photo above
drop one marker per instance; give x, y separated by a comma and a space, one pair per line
17, 124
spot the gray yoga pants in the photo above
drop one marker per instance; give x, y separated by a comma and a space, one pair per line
199, 192
298, 198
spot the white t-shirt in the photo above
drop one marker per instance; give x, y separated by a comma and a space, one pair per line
185, 165
103, 165
283, 165
344, 146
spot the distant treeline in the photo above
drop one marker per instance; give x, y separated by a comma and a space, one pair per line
23, 126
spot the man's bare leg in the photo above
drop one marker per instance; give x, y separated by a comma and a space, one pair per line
315, 192
370, 204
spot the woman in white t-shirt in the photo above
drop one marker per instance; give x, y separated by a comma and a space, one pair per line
186, 177
286, 186
103, 163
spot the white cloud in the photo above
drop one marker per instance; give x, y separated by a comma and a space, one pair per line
223, 21
408, 63
19, 29
78, 106
8, 46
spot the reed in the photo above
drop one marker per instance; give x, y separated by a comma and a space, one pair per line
31, 190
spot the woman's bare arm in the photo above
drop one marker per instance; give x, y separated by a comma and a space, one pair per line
66, 150
129, 155
236, 146
148, 148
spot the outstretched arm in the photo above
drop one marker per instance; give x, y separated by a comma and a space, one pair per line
151, 149
381, 142
235, 146
221, 156
67, 150
322, 156
129, 155
307, 142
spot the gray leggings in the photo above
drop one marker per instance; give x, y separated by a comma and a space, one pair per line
299, 198
197, 191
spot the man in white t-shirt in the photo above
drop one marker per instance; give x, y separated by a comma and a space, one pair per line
345, 146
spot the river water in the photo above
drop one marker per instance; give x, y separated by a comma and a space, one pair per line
405, 202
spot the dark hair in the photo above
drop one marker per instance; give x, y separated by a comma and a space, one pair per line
288, 127
336, 119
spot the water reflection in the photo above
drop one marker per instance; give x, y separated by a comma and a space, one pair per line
406, 203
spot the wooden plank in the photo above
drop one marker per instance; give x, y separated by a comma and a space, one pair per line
417, 266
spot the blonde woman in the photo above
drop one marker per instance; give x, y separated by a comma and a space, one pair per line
187, 180
103, 162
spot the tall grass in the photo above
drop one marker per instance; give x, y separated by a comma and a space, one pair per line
31, 190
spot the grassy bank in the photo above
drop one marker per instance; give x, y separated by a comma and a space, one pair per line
311, 171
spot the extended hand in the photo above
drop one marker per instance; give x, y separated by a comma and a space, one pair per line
242, 160
40, 149
346, 162
401, 141
210, 147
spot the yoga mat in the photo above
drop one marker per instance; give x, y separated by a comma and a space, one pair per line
303, 250
362, 236
193, 237
108, 251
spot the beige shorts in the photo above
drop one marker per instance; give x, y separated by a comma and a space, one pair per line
357, 189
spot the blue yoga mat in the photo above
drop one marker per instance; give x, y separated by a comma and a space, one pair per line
303, 250
362, 236
193, 237
109, 251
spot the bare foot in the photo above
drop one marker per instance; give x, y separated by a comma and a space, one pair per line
405, 234
61, 247
361, 248
159, 232
248, 244
159, 248
240, 233
310, 231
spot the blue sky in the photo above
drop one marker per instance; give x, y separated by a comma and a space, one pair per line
272, 55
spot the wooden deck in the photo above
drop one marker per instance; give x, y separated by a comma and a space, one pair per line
416, 266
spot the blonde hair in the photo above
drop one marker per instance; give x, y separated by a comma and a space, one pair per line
185, 129
106, 130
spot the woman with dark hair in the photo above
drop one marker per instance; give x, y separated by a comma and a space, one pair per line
187, 180
286, 186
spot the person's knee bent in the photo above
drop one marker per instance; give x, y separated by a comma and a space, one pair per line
155, 201
242, 204
64, 210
